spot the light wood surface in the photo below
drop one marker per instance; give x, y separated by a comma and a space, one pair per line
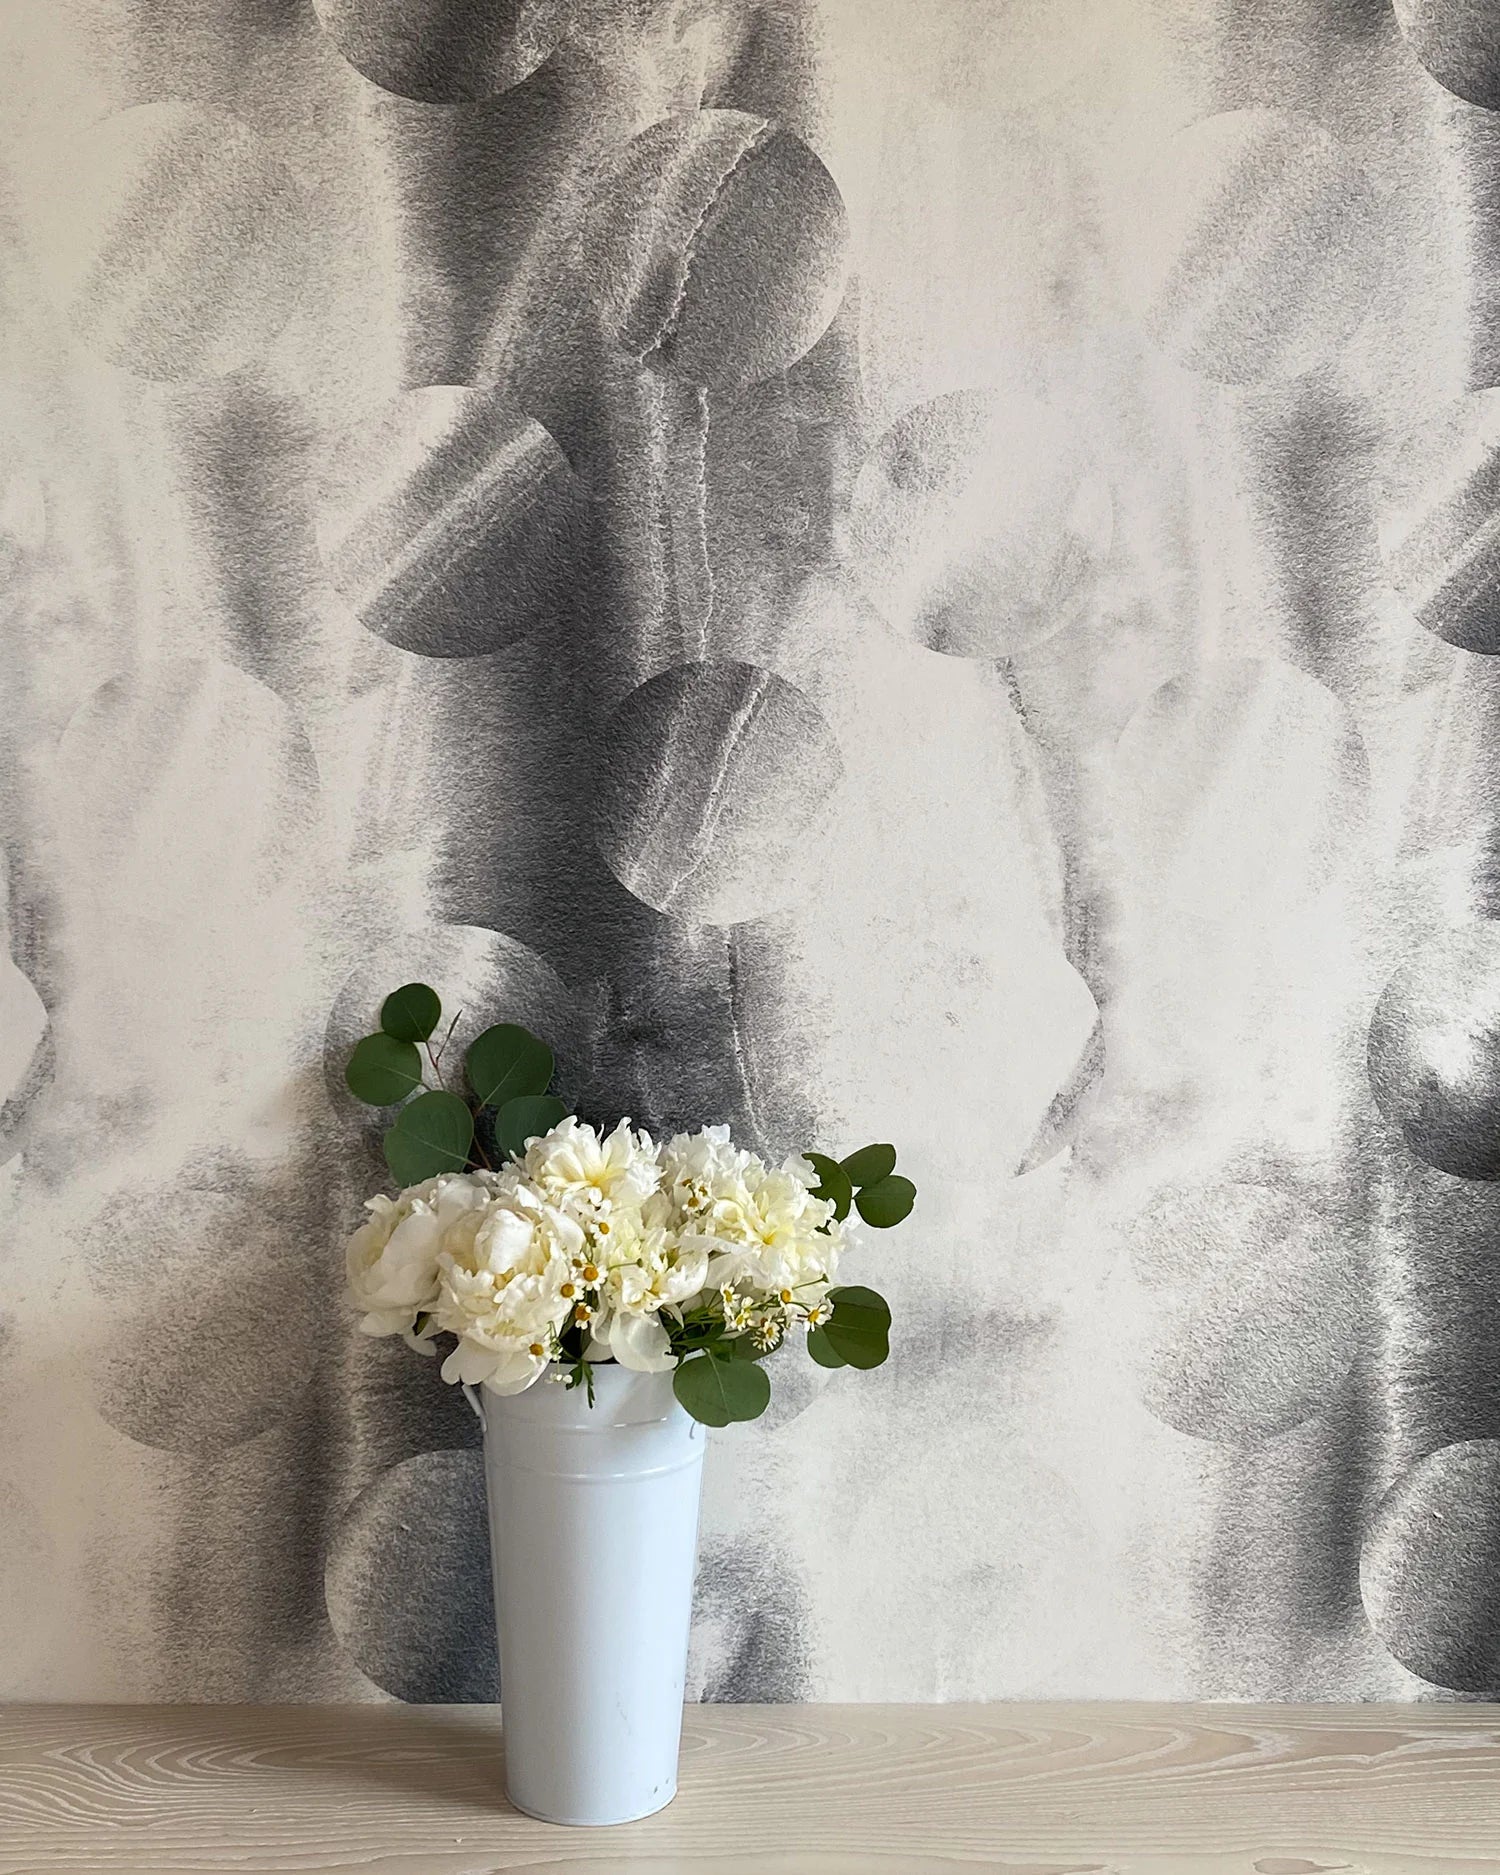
766, 1790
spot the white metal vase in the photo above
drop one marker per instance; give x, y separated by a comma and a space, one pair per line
594, 1537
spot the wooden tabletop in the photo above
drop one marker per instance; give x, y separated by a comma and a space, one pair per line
766, 1790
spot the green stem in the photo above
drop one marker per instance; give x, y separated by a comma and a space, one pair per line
443, 1045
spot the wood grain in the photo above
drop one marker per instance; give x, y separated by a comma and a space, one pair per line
766, 1790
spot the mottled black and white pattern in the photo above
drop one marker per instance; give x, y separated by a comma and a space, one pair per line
978, 523
1436, 512
475, 547
216, 293
1428, 1567
444, 51
408, 1585
874, 572
711, 776
1458, 41
1253, 258
1435, 1051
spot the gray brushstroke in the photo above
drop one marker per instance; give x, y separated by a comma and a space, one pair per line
1434, 1051
711, 776
1427, 1569
1458, 41
408, 1580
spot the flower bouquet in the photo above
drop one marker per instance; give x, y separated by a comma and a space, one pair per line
651, 1281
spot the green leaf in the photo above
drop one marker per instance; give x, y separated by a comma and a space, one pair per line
431, 1135
528, 1116
822, 1349
506, 1062
887, 1202
383, 1070
870, 1164
834, 1185
859, 1329
718, 1392
410, 1013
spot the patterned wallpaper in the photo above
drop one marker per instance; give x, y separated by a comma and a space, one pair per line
874, 571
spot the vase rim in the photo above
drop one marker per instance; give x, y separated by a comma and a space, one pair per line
622, 1397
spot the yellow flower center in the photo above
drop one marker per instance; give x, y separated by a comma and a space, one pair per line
537, 1350
590, 1273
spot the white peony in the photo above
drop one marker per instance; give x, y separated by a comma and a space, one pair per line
608, 1235
698, 1167
632, 1294
592, 1174
507, 1287
392, 1259
762, 1227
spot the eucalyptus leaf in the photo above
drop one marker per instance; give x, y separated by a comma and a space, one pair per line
859, 1329
886, 1203
833, 1185
431, 1135
383, 1070
410, 1159
822, 1349
411, 1013
505, 1062
870, 1164
528, 1116
717, 1392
